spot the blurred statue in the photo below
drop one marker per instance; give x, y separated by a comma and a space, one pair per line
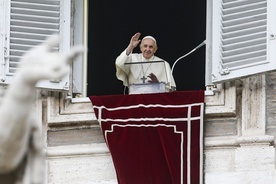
20, 131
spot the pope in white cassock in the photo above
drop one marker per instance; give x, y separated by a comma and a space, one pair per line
148, 72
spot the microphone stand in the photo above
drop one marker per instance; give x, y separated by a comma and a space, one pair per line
197, 47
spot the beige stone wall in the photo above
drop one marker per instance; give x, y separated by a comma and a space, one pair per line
240, 148
238, 136
76, 152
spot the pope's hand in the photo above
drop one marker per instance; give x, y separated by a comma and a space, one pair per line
153, 78
134, 41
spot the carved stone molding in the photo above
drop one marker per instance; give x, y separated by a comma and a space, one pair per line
254, 106
220, 142
223, 103
65, 113
75, 150
265, 140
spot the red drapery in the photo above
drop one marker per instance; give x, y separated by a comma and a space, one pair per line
154, 138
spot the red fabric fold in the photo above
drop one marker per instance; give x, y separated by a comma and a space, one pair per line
154, 138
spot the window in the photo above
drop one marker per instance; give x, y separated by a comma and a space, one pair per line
178, 27
240, 37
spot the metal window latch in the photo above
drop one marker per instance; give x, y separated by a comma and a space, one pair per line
211, 90
225, 71
272, 36
5, 53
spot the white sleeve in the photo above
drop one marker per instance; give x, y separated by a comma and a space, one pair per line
121, 70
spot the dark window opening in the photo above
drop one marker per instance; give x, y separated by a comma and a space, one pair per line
178, 26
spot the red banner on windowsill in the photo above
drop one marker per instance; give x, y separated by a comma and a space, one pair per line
154, 138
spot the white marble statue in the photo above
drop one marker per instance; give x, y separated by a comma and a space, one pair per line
20, 131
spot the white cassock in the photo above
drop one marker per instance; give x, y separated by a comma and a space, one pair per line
136, 73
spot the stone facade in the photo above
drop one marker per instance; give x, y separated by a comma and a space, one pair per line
246, 153
238, 136
239, 131
76, 152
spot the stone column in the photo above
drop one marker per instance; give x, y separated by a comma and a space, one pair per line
255, 154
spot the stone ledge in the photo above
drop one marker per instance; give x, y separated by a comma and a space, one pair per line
235, 141
227, 141
255, 140
252, 177
77, 150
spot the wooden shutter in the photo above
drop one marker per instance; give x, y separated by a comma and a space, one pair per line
243, 38
30, 22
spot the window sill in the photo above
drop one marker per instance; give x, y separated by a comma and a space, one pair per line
221, 103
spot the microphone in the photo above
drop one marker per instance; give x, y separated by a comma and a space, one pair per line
197, 47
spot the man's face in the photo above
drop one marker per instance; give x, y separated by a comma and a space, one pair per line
148, 48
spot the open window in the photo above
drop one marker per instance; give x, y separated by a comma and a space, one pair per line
242, 38
25, 24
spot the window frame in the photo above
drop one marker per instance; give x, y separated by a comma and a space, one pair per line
79, 74
216, 103
219, 99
